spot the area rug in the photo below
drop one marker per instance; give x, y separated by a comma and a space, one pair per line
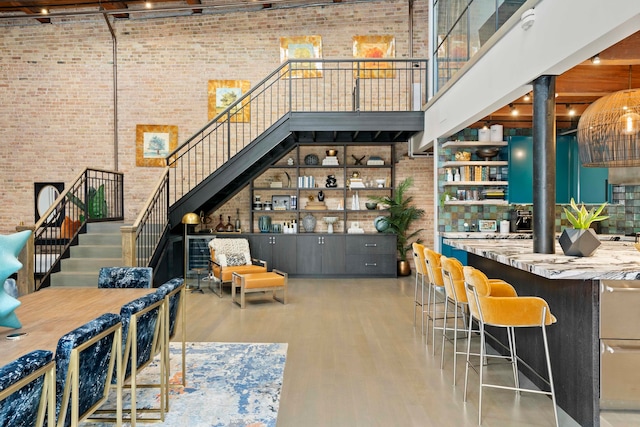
228, 385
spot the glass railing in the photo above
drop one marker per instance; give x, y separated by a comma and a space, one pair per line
462, 28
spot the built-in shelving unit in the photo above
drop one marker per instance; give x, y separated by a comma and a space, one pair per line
474, 186
281, 182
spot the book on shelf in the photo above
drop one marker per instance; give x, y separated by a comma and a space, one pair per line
330, 161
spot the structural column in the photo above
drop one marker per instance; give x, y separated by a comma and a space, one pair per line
544, 164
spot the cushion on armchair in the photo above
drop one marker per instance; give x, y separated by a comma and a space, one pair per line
232, 255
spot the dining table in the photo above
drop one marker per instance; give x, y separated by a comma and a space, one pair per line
50, 313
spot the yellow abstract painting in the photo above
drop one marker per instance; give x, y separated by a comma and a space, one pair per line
375, 47
223, 93
302, 47
154, 143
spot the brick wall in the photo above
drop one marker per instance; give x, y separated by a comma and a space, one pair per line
56, 83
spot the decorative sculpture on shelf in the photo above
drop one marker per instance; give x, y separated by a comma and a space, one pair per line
10, 247
358, 161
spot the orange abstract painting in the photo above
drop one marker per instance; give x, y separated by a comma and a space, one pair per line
302, 47
223, 93
374, 47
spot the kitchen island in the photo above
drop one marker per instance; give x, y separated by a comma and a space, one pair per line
572, 287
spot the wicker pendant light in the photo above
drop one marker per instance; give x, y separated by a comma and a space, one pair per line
609, 130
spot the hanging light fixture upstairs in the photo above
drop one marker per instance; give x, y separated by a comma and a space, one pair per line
609, 130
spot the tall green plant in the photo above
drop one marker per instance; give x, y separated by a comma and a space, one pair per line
401, 216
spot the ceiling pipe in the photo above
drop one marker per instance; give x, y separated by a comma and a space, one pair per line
114, 41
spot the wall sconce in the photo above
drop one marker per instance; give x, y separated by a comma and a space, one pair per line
527, 97
596, 59
570, 110
514, 110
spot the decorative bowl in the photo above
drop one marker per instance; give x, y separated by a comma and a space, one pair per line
381, 182
311, 159
332, 153
371, 205
487, 152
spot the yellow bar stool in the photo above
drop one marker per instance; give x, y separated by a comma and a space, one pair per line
509, 313
421, 272
456, 295
434, 272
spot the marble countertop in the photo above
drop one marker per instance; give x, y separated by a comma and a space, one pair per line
520, 236
613, 260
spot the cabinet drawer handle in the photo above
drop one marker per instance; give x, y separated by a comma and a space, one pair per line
370, 264
370, 245
612, 289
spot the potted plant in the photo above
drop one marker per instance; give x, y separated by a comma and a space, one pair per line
401, 216
581, 240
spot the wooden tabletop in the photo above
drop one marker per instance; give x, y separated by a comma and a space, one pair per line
50, 313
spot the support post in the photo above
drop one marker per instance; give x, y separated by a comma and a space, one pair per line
544, 164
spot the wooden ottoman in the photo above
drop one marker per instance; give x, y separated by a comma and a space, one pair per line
259, 282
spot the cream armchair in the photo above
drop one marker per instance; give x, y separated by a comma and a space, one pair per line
232, 255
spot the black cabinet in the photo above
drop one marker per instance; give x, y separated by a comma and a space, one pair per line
278, 250
327, 255
371, 255
321, 254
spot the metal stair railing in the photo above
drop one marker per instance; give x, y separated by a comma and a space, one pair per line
320, 85
94, 196
314, 85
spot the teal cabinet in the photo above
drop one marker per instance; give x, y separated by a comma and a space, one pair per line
588, 185
451, 252
520, 169
591, 185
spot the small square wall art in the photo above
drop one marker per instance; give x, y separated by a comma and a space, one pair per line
374, 47
154, 143
223, 94
304, 48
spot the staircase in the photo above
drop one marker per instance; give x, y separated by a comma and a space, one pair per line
100, 246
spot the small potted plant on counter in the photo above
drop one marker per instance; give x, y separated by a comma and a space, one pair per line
401, 215
581, 240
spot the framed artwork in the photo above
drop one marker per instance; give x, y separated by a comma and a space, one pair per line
302, 47
223, 93
154, 143
381, 46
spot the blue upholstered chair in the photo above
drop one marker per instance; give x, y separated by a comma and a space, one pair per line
143, 338
85, 363
125, 277
27, 389
173, 293
11, 287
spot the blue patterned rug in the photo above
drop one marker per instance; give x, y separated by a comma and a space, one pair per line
228, 384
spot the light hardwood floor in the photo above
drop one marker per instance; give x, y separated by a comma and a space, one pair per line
355, 359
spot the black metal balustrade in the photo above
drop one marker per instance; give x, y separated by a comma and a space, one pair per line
392, 85
297, 86
94, 196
